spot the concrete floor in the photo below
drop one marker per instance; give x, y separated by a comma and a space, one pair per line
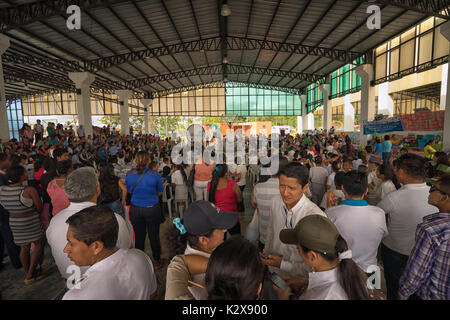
12, 286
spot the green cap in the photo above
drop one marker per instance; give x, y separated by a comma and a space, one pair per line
314, 232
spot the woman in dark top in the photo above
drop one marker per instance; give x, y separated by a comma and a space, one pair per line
113, 190
145, 210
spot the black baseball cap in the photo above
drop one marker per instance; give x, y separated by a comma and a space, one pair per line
202, 216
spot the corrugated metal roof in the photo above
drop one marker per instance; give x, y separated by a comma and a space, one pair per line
115, 29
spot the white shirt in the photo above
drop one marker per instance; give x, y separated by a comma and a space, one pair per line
318, 175
242, 169
384, 188
197, 293
324, 285
57, 235
127, 274
282, 218
363, 228
330, 181
263, 195
405, 208
80, 132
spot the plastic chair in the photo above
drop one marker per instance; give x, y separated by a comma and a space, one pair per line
166, 200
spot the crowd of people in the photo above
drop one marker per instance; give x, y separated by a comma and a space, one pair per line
325, 220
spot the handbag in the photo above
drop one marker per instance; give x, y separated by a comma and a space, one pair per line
130, 194
252, 232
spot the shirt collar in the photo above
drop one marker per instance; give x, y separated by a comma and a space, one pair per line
317, 279
414, 186
74, 206
354, 203
111, 260
297, 206
189, 250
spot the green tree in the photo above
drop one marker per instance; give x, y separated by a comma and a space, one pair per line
112, 121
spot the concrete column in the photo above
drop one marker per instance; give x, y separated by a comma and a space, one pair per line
304, 114
366, 73
83, 81
444, 84
445, 31
349, 115
124, 118
327, 110
4, 125
147, 105
385, 103
311, 121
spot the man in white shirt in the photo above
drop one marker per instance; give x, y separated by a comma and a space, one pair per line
82, 190
405, 209
38, 131
361, 225
113, 274
285, 213
80, 131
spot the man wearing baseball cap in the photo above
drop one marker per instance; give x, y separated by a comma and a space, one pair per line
334, 275
203, 227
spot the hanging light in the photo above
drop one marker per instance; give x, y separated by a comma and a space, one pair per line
225, 11
225, 60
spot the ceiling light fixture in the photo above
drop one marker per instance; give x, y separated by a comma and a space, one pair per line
225, 11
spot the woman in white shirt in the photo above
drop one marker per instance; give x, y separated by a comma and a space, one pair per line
335, 275
179, 182
385, 174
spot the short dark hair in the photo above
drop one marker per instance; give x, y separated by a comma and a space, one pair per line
234, 271
355, 183
59, 152
297, 171
96, 223
339, 179
14, 173
412, 165
386, 170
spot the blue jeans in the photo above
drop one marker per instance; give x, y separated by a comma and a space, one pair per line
116, 207
7, 240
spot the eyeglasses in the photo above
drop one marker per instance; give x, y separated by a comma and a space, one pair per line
434, 188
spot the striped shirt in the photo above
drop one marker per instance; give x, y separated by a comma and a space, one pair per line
428, 270
263, 195
11, 199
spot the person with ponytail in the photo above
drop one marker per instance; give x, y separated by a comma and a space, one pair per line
145, 186
334, 276
225, 193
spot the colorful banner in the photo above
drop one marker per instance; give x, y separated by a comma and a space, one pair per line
382, 126
424, 121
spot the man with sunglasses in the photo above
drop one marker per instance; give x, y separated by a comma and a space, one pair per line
427, 274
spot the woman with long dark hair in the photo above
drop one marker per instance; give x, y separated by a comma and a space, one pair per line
235, 271
113, 190
145, 211
335, 276
224, 193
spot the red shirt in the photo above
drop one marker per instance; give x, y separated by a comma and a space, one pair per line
225, 199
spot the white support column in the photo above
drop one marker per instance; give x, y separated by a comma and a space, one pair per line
83, 82
444, 84
366, 73
304, 114
124, 118
349, 115
327, 110
147, 105
385, 103
4, 126
445, 31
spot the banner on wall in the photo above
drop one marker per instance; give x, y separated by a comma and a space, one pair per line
423, 121
382, 126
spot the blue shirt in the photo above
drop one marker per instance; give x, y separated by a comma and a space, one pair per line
387, 146
146, 192
113, 150
378, 148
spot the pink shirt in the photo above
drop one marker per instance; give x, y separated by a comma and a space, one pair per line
58, 196
203, 172
225, 199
